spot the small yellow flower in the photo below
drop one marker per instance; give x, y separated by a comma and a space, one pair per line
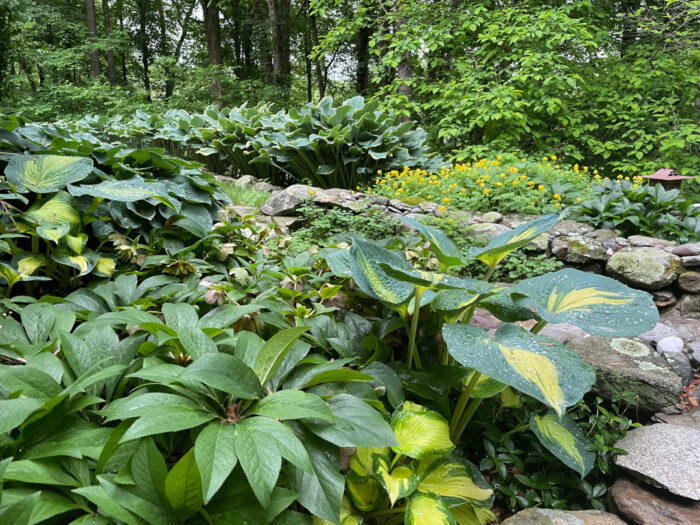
531, 183
379, 172
540, 187
429, 197
499, 184
486, 191
446, 200
554, 158
357, 188
442, 209
311, 192
523, 177
557, 197
464, 190
515, 183
578, 199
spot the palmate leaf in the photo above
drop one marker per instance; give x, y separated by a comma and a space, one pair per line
427, 508
399, 482
537, 365
420, 432
563, 438
597, 304
501, 245
46, 173
445, 250
455, 481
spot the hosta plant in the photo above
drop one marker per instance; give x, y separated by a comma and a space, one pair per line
468, 364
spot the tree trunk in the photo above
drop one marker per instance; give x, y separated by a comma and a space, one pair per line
92, 30
143, 44
170, 83
362, 56
319, 71
404, 72
210, 8
111, 69
120, 6
278, 11
163, 42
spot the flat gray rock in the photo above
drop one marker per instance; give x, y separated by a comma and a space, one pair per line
536, 516
689, 282
666, 456
657, 333
642, 506
646, 268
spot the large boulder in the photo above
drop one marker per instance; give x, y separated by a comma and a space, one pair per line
647, 268
289, 200
570, 227
486, 230
536, 516
641, 505
623, 364
578, 249
666, 456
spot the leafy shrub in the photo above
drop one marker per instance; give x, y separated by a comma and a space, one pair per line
636, 208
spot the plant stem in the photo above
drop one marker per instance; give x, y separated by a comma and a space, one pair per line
539, 326
394, 461
414, 329
462, 403
473, 405
488, 273
517, 429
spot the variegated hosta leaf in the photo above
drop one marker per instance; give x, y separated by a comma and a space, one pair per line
503, 307
27, 263
399, 482
446, 252
453, 301
470, 515
455, 480
415, 277
339, 262
366, 495
131, 190
424, 509
83, 263
485, 387
420, 432
501, 245
563, 438
105, 267
53, 232
59, 208
10, 276
362, 461
365, 257
595, 303
77, 242
46, 173
537, 365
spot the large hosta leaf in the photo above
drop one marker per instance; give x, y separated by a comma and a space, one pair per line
455, 480
501, 245
536, 365
58, 209
445, 250
399, 482
83, 263
426, 509
364, 261
53, 232
46, 173
131, 190
420, 432
366, 495
598, 304
563, 438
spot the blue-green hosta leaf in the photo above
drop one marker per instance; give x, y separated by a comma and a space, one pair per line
537, 365
340, 263
83, 263
53, 231
366, 494
46, 173
501, 245
595, 303
130, 190
563, 438
420, 432
399, 482
445, 250
453, 301
455, 481
426, 508
293, 404
365, 257
58, 209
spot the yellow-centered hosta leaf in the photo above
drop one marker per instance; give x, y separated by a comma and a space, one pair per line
58, 209
596, 303
46, 173
29, 264
467, 514
53, 232
420, 432
534, 364
366, 495
362, 461
400, 482
426, 509
456, 481
83, 263
501, 245
445, 250
77, 242
563, 438
105, 266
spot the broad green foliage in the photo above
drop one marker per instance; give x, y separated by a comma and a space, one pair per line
565, 440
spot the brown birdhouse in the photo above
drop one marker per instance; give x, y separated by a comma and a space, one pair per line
668, 178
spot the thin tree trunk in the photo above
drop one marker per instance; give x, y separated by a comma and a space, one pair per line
307, 60
143, 44
210, 9
163, 43
111, 69
362, 56
92, 30
170, 83
120, 6
404, 72
319, 71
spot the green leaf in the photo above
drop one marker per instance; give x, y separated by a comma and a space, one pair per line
84, 262
215, 453
501, 245
399, 482
226, 373
179, 316
420, 432
537, 365
183, 486
130, 190
46, 173
15, 411
273, 352
59, 209
455, 481
445, 250
563, 438
33, 471
157, 420
356, 424
196, 342
365, 257
598, 304
53, 232
154, 514
107, 505
149, 471
20, 512
293, 404
50, 504
366, 494
362, 461
426, 508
